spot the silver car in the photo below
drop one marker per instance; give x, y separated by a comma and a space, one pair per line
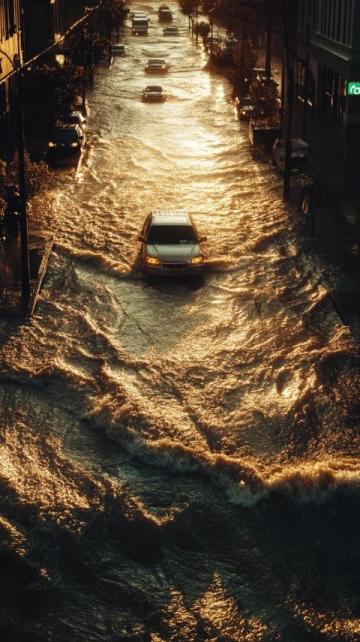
153, 94
156, 66
170, 244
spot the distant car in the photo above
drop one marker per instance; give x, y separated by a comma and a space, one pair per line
245, 107
156, 66
299, 155
154, 93
118, 49
170, 244
74, 118
138, 15
65, 140
165, 14
171, 31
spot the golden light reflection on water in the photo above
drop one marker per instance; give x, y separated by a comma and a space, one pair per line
220, 610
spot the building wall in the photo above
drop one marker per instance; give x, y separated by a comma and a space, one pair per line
10, 32
38, 25
328, 57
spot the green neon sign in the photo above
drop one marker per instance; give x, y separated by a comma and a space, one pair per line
353, 88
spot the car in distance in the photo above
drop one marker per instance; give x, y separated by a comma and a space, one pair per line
171, 31
170, 244
299, 155
140, 24
156, 66
154, 93
118, 49
165, 14
65, 140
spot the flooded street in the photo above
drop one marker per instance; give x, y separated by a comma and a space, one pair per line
179, 458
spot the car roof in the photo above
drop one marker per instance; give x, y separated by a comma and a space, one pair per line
170, 217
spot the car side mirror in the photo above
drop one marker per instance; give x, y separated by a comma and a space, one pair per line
141, 238
202, 239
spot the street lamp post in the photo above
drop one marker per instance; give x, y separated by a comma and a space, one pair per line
24, 240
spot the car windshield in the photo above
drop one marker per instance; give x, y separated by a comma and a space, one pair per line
65, 135
246, 102
156, 88
171, 235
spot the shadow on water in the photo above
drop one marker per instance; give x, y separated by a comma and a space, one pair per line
201, 554
175, 284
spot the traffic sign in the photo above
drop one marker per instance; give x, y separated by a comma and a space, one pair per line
353, 88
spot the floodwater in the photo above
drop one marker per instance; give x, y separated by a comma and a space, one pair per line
179, 459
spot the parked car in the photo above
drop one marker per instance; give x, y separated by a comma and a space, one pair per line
65, 140
171, 244
156, 66
258, 72
213, 43
80, 105
118, 49
171, 31
299, 155
154, 93
263, 132
74, 118
245, 107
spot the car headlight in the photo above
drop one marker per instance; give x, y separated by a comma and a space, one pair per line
51, 144
74, 145
152, 260
196, 260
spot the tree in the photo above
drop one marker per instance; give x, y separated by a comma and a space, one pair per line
190, 6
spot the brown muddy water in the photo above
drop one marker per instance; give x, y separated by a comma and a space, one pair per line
179, 459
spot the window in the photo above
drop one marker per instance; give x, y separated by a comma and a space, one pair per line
10, 18
333, 102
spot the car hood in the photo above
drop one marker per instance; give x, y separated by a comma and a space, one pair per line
173, 252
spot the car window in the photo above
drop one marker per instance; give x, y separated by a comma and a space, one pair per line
171, 235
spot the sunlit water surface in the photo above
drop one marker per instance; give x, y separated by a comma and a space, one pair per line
179, 459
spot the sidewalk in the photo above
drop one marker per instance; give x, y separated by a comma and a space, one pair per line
10, 273
336, 239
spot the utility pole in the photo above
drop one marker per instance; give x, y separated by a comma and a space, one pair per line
306, 79
289, 106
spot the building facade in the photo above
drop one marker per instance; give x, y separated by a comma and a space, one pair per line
10, 45
45, 21
328, 58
